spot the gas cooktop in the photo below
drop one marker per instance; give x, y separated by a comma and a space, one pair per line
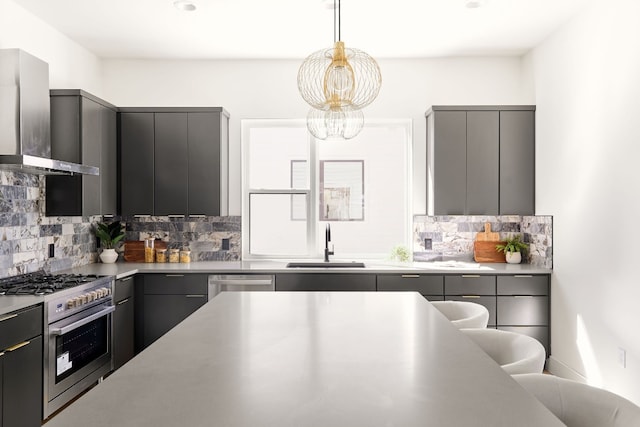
41, 283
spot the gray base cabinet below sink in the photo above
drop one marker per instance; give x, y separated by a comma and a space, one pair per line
325, 282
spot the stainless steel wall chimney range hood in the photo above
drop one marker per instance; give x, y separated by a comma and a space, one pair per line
25, 134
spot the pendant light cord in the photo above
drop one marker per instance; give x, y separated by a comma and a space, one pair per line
336, 21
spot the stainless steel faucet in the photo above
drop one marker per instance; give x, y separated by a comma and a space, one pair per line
327, 239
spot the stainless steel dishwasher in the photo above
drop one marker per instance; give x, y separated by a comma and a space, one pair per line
240, 282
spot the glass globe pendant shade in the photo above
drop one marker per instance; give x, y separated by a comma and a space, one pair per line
339, 76
335, 122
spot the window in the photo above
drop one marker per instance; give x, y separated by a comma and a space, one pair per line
293, 185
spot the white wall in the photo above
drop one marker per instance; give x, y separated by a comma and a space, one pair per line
268, 89
587, 90
70, 65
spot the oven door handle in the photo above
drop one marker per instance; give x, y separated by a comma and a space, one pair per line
63, 330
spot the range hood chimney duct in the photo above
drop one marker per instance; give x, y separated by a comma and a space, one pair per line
25, 133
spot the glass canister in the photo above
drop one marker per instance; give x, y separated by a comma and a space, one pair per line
185, 255
148, 250
161, 255
174, 255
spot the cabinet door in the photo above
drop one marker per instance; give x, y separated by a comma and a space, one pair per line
91, 152
482, 163
204, 164
517, 162
325, 282
425, 284
171, 173
523, 310
22, 383
163, 312
136, 163
450, 162
108, 162
470, 284
1, 385
123, 332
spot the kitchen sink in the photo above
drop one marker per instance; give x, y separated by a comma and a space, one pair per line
321, 264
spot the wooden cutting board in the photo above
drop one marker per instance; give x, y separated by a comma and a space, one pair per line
485, 251
487, 235
134, 249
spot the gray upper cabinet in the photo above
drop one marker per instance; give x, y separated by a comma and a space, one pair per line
83, 130
517, 162
171, 174
136, 163
480, 160
184, 156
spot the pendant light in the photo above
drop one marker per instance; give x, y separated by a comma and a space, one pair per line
338, 82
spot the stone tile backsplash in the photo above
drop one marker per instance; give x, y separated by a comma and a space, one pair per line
204, 236
452, 236
25, 233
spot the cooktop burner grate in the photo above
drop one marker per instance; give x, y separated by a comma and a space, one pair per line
41, 283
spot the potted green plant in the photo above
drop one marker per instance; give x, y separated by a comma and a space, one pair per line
512, 248
109, 234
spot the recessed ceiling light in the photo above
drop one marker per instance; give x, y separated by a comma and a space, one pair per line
184, 5
474, 4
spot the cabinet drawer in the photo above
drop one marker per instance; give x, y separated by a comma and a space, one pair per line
470, 284
523, 285
426, 285
541, 333
175, 284
20, 326
123, 288
488, 301
523, 310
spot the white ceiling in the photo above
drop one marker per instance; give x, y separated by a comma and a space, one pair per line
296, 28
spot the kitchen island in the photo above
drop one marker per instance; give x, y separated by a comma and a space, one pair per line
310, 359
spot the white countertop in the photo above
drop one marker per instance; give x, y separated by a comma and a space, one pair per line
122, 269
310, 359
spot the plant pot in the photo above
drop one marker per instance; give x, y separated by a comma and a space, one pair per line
513, 257
108, 256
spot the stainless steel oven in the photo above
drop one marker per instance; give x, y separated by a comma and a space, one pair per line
77, 341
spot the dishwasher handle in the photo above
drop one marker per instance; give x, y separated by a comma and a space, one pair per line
243, 282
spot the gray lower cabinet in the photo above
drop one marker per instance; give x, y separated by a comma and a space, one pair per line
523, 306
83, 130
480, 160
167, 300
124, 321
21, 368
475, 288
325, 282
174, 161
429, 286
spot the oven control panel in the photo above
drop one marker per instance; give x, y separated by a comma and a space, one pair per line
79, 298
86, 298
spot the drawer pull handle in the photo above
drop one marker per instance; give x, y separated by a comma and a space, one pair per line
470, 276
11, 316
470, 296
126, 279
195, 296
174, 275
124, 301
2, 354
17, 346
410, 276
523, 276
523, 296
